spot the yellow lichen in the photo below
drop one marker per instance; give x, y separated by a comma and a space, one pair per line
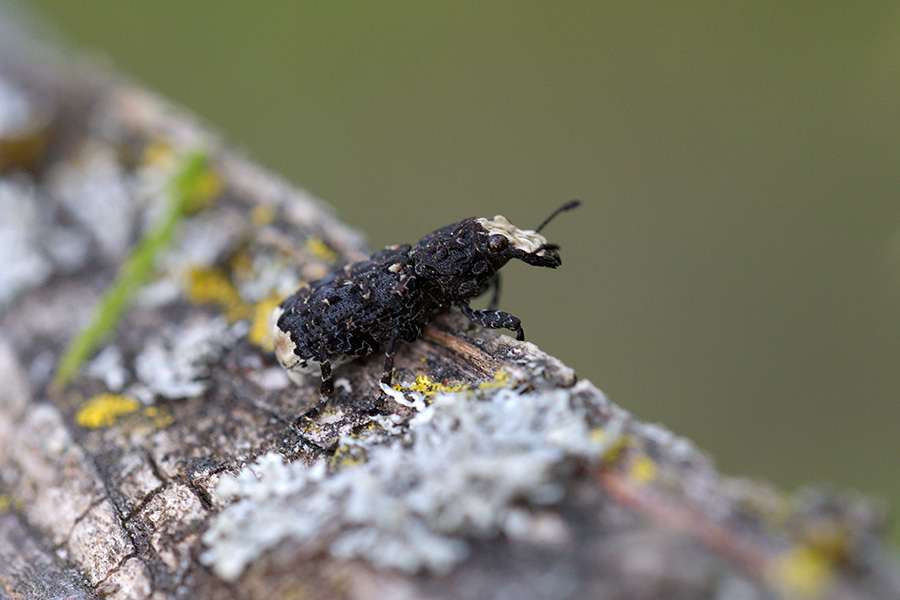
104, 410
240, 266
802, 572
205, 189
320, 249
643, 469
260, 332
346, 456
501, 379
212, 286
263, 214
160, 416
616, 449
424, 385
9, 502
158, 151
598, 434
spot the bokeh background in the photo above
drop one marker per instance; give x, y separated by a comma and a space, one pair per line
734, 272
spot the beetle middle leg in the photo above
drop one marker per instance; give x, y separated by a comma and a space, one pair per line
493, 319
387, 373
327, 387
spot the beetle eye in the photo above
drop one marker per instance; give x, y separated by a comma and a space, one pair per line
497, 242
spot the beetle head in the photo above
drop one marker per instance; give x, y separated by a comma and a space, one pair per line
502, 241
505, 241
458, 260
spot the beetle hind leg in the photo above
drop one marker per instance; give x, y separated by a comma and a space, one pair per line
493, 319
387, 371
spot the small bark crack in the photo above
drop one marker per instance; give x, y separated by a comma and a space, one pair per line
154, 467
94, 504
203, 496
101, 584
128, 518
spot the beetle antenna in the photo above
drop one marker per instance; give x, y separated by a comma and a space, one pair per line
567, 206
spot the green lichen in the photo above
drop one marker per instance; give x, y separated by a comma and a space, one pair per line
192, 187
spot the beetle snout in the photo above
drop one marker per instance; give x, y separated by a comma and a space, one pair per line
545, 256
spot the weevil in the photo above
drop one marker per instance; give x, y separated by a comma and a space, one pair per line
369, 306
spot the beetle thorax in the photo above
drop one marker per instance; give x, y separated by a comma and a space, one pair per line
451, 264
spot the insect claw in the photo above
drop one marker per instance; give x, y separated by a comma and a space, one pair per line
312, 413
379, 405
309, 415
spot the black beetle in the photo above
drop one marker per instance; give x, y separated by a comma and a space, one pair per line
368, 306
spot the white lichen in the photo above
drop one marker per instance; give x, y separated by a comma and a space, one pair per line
176, 365
100, 197
202, 241
109, 367
462, 470
24, 264
16, 114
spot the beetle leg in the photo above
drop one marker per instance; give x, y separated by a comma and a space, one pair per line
493, 319
388, 371
326, 389
495, 297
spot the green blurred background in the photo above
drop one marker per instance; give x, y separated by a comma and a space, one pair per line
735, 270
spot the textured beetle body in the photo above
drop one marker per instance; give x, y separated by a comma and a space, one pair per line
353, 311
368, 306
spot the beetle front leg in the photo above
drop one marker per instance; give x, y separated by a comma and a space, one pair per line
495, 297
325, 390
493, 319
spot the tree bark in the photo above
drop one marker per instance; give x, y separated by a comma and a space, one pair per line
169, 466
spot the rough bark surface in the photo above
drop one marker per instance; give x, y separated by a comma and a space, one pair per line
169, 467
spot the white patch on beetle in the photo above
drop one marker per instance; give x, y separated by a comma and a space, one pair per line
526, 240
298, 369
395, 268
284, 347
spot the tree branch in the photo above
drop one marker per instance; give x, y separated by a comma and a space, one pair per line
169, 468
